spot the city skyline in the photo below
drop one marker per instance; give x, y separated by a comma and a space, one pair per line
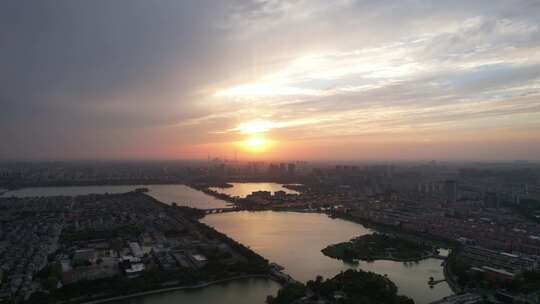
313, 80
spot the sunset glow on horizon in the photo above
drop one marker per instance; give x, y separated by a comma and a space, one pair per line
315, 79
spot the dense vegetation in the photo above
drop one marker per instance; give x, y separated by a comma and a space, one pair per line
351, 286
378, 246
288, 294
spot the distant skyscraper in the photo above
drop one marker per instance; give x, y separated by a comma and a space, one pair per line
283, 168
524, 190
291, 168
492, 200
450, 187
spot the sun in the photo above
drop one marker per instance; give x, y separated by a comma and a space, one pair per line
255, 144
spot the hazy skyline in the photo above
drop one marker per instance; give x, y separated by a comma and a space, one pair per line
299, 79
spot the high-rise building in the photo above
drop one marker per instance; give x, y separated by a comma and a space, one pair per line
450, 188
283, 168
291, 168
492, 200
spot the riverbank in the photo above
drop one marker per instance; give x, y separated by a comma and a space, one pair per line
449, 277
383, 258
178, 288
22, 186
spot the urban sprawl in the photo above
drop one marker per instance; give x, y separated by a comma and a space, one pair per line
488, 215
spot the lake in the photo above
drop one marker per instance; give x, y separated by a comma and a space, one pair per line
294, 240
250, 291
245, 189
181, 194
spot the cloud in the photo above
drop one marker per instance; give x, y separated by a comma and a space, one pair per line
99, 78
463, 75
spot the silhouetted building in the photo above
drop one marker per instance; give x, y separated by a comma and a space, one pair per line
492, 200
450, 188
291, 168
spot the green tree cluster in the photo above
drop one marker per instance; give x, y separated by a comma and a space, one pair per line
351, 286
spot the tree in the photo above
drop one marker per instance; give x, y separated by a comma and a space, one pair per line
51, 282
289, 294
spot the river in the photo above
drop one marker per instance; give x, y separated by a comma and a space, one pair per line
180, 194
250, 291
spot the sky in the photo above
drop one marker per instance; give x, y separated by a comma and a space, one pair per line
266, 79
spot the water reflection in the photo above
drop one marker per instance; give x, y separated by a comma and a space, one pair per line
244, 189
251, 291
295, 240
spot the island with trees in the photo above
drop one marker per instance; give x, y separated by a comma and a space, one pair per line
351, 286
380, 246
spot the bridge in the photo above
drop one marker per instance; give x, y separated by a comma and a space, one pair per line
221, 210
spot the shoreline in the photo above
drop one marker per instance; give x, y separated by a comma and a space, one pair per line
377, 258
447, 271
179, 288
96, 184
